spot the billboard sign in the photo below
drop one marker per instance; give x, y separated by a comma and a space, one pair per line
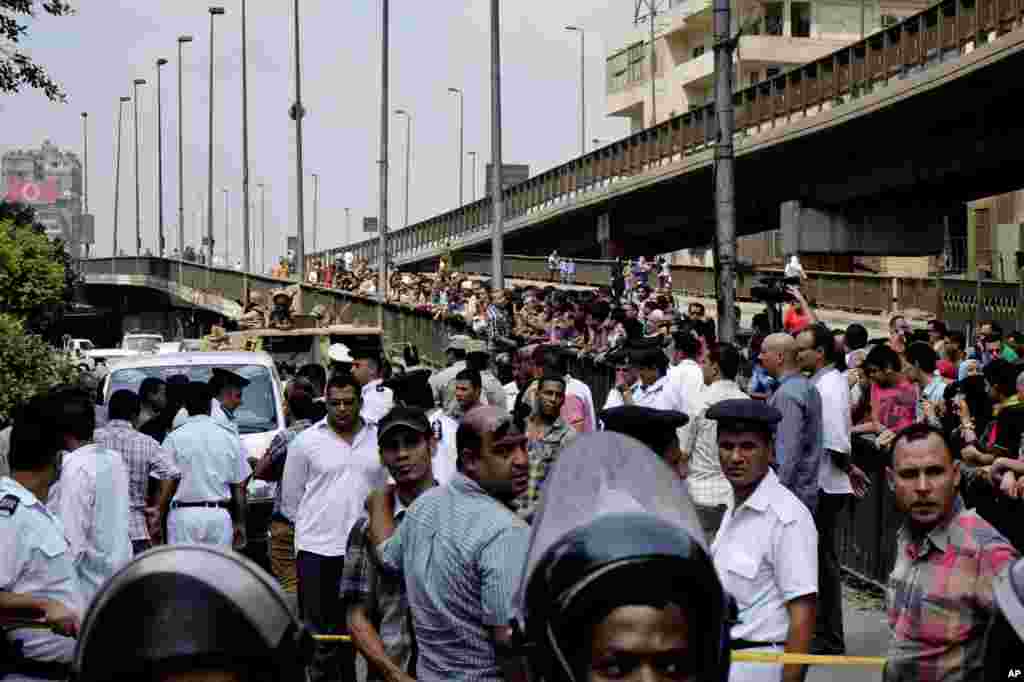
31, 192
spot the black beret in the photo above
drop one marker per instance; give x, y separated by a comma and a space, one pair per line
412, 389
654, 428
754, 414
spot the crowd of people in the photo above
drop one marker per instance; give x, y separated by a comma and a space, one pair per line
501, 516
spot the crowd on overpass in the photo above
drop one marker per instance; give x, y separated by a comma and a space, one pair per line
443, 519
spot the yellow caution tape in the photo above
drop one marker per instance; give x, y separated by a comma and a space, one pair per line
804, 659
739, 656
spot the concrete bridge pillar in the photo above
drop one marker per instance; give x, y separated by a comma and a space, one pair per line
908, 228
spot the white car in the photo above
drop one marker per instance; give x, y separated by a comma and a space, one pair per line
259, 418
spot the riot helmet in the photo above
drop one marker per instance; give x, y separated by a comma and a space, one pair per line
616, 529
182, 609
1004, 640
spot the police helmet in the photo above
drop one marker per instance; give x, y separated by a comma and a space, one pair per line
185, 608
621, 531
1005, 637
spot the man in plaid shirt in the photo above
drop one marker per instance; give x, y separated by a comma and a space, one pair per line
940, 598
375, 601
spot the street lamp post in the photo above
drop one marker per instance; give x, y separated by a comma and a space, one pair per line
263, 225
408, 140
160, 158
382, 219
316, 206
583, 120
472, 178
214, 11
497, 181
297, 114
85, 185
246, 255
138, 217
181, 166
117, 169
227, 232
462, 137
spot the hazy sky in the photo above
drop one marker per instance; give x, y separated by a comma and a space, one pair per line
97, 54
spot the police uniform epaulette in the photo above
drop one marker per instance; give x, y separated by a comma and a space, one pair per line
380, 388
9, 505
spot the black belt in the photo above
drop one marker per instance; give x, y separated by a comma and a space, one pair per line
47, 670
747, 644
209, 505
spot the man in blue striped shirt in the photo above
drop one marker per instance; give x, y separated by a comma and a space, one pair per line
460, 549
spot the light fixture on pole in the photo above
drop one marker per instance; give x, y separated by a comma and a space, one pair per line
161, 244
138, 217
117, 169
382, 218
316, 206
472, 177
181, 166
462, 137
214, 12
583, 121
408, 140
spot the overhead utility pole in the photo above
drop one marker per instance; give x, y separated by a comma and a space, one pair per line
652, 7
725, 191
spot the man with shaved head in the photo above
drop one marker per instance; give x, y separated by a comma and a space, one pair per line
799, 443
460, 549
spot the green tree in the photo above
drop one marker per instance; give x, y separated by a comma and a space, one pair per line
16, 68
32, 273
28, 365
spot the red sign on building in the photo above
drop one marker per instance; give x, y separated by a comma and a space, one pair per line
29, 192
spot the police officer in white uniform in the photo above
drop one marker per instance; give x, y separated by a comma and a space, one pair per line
766, 550
226, 387
209, 506
37, 574
456, 354
378, 399
653, 389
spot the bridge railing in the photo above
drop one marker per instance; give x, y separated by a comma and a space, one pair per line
935, 35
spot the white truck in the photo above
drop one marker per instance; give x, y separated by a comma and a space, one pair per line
133, 343
79, 350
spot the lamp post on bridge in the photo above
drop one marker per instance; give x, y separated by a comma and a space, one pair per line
408, 141
161, 244
472, 177
117, 170
583, 123
138, 218
181, 166
462, 137
497, 181
214, 12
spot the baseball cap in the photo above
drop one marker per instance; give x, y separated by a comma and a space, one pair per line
409, 417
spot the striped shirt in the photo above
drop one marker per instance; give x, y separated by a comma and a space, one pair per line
940, 600
461, 553
144, 458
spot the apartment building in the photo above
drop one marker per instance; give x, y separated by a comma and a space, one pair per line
775, 36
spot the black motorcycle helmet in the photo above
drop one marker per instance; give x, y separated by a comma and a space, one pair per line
617, 530
183, 608
1004, 641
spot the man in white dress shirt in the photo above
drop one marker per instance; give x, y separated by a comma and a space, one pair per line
376, 399
93, 503
766, 551
331, 469
653, 389
838, 478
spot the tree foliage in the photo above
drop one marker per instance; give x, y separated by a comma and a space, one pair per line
17, 69
28, 365
32, 274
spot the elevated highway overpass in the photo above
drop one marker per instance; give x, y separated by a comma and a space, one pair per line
872, 149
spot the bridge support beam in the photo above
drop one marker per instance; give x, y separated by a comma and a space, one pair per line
909, 228
610, 246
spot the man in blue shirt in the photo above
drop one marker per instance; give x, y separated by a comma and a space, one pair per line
461, 549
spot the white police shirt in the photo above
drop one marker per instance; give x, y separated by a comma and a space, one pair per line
36, 560
444, 461
210, 458
377, 401
766, 554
